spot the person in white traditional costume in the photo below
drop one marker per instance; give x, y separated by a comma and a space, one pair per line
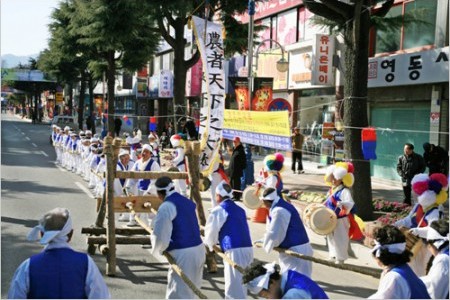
285, 229
153, 141
436, 238
431, 191
178, 161
217, 176
398, 280
339, 199
58, 272
176, 230
142, 187
123, 164
227, 225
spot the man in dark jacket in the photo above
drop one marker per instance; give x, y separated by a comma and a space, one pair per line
408, 165
436, 158
237, 166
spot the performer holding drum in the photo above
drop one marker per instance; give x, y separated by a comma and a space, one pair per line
340, 177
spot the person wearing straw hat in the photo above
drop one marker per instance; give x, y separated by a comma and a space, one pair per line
227, 224
339, 199
398, 280
265, 280
58, 272
176, 230
286, 230
436, 238
431, 191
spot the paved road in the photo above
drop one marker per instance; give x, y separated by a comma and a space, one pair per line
32, 185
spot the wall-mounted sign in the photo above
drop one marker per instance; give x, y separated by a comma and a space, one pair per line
165, 84
322, 60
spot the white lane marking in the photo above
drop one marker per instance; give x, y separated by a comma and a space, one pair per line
27, 138
45, 154
23, 133
34, 145
84, 189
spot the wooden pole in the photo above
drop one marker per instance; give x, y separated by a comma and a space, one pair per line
358, 269
193, 152
111, 150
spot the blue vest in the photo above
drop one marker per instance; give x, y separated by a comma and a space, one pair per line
445, 251
296, 233
185, 232
234, 232
416, 286
54, 135
297, 280
144, 183
58, 274
424, 222
330, 205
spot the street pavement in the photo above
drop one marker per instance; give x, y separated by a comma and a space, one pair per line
27, 193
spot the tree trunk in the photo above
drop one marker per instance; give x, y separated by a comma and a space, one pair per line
355, 108
91, 95
179, 72
81, 101
111, 79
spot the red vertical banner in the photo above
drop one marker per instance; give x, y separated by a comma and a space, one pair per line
262, 94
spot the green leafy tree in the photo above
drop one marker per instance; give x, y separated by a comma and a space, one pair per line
118, 32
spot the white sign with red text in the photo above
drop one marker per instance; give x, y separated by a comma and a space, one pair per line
322, 60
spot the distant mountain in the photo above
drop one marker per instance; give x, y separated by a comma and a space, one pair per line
12, 61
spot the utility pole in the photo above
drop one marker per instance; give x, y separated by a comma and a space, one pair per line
251, 13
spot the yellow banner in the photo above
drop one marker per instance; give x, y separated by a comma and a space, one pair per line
270, 122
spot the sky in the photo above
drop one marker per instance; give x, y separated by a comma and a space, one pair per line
24, 25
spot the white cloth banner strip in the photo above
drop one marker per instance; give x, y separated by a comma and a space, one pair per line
210, 46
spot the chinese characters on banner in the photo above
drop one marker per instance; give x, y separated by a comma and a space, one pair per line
210, 45
411, 68
267, 129
322, 67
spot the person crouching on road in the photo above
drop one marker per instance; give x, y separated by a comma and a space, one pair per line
227, 224
398, 280
58, 272
286, 230
176, 230
265, 280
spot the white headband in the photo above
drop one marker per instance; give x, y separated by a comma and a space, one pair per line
270, 197
147, 147
261, 282
430, 234
391, 248
52, 236
221, 191
170, 188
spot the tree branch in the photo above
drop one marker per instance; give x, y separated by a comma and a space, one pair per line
340, 7
384, 9
162, 29
193, 60
325, 11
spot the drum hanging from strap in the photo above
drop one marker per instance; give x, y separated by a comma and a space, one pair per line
250, 197
319, 218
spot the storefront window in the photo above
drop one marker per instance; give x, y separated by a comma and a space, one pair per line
410, 34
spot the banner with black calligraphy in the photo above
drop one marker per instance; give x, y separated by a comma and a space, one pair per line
210, 45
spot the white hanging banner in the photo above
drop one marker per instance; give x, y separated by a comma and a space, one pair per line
210, 45
322, 64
